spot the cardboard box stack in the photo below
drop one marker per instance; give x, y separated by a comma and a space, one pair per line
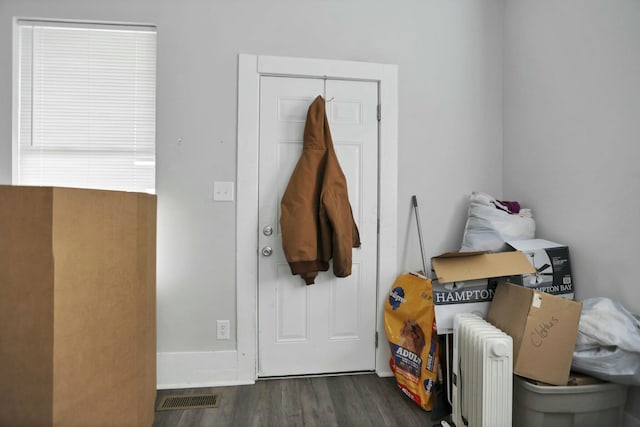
543, 325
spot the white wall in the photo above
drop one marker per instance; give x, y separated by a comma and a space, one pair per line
572, 135
571, 122
450, 130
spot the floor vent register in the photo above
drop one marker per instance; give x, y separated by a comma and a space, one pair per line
191, 401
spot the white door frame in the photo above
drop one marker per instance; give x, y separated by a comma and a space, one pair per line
250, 69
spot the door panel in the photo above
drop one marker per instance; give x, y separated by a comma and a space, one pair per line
329, 326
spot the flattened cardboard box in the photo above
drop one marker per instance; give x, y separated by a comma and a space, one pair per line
552, 267
543, 327
467, 282
77, 307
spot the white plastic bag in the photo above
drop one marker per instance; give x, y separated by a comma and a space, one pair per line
489, 227
608, 343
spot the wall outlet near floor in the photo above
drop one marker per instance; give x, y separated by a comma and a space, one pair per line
222, 330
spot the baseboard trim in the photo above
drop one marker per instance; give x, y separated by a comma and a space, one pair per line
385, 373
196, 369
200, 369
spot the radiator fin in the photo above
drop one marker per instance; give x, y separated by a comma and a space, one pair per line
483, 369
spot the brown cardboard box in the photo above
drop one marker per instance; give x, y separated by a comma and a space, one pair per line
553, 267
467, 281
543, 327
77, 307
461, 266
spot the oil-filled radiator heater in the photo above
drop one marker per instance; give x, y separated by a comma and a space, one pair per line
482, 381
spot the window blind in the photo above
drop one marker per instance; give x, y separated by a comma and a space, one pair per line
86, 106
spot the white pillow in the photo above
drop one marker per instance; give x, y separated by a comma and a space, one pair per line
489, 226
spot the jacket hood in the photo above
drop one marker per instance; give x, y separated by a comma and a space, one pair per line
315, 127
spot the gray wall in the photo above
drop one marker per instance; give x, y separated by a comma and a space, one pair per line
450, 126
572, 135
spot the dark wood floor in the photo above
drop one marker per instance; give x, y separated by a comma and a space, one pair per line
354, 400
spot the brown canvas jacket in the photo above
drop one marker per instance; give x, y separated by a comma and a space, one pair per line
316, 221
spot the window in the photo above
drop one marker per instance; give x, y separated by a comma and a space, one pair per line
84, 105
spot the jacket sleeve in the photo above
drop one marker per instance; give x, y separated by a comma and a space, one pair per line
344, 231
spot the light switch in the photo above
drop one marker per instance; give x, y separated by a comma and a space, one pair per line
223, 191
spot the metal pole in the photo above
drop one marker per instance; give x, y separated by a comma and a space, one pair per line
414, 200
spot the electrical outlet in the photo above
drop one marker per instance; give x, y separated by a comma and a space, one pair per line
223, 191
222, 330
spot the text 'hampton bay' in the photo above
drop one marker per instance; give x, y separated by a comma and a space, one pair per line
484, 294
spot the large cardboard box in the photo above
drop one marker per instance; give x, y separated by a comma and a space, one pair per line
552, 264
77, 307
466, 282
543, 327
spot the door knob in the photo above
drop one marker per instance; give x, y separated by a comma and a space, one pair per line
267, 230
266, 251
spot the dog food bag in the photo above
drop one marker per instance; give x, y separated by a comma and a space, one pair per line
409, 324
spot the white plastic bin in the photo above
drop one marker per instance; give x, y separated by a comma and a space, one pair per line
593, 405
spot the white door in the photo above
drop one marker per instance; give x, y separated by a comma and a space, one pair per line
330, 326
